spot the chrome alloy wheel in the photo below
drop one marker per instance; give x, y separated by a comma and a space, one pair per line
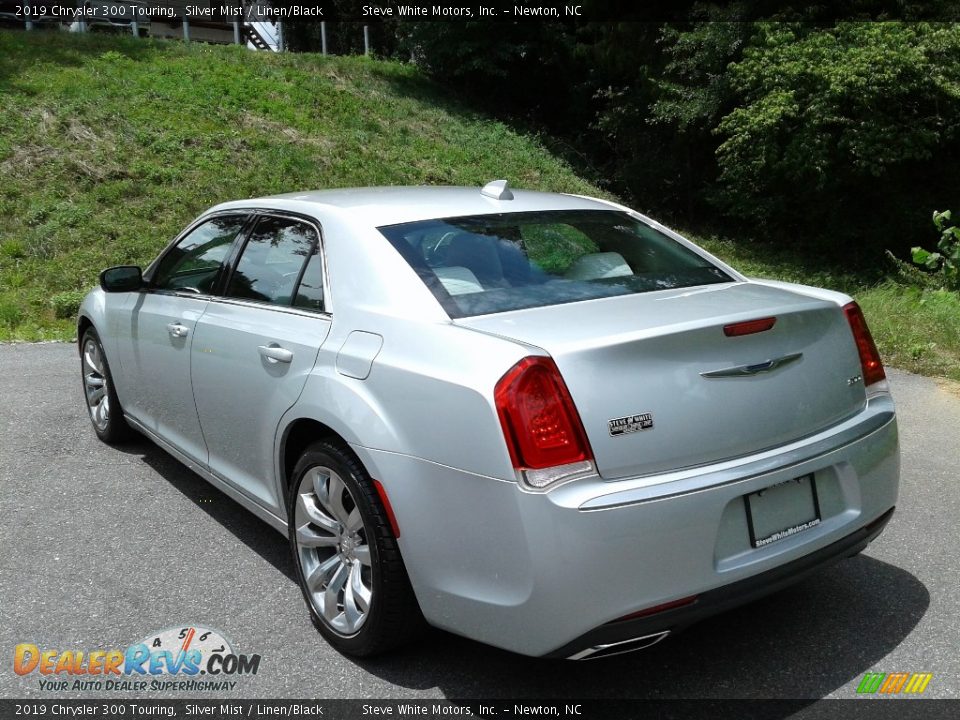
333, 551
95, 385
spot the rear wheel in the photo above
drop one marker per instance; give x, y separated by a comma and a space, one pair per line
103, 407
347, 560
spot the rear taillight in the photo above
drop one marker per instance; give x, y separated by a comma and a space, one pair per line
540, 423
869, 357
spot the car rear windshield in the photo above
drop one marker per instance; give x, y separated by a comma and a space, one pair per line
485, 264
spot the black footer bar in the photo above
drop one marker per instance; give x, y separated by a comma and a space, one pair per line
852, 709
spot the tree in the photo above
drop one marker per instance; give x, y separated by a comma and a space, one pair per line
835, 130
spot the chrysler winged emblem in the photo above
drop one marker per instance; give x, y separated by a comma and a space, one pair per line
755, 369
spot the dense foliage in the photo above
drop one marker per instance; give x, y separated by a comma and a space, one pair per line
817, 134
850, 130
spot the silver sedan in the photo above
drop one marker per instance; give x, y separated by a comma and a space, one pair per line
542, 421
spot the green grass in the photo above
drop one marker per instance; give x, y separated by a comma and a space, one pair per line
109, 146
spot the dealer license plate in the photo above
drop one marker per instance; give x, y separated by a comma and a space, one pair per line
782, 510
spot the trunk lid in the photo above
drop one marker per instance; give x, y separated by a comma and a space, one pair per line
628, 357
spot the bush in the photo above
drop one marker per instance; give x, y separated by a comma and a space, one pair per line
66, 304
11, 314
946, 263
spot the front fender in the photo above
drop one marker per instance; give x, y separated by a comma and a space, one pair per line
92, 312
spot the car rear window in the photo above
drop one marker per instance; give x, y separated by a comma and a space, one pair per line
483, 264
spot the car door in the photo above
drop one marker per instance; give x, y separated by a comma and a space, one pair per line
156, 333
254, 347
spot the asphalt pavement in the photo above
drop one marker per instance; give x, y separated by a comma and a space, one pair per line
101, 547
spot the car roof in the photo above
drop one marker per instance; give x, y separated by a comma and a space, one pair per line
379, 206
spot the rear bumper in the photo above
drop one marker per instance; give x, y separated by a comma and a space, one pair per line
547, 574
617, 637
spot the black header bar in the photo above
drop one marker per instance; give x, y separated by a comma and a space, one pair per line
502, 10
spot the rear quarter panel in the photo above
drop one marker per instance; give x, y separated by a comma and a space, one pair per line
429, 392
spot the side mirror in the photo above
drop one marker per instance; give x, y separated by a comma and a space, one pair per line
122, 278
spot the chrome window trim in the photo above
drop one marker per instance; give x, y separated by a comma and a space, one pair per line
257, 215
223, 300
178, 293
253, 215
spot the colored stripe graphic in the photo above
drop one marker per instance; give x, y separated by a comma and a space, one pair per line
871, 682
918, 683
894, 683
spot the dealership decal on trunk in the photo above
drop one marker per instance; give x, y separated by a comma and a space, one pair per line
630, 424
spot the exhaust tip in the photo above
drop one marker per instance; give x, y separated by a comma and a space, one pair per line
618, 648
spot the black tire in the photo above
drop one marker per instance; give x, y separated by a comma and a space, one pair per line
111, 428
393, 616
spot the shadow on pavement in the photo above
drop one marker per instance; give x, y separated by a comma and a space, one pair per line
247, 527
804, 642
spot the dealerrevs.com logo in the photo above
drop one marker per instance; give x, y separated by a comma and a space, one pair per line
188, 658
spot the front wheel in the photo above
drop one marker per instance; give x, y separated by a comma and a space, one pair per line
103, 406
347, 560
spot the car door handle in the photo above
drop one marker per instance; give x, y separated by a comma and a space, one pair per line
275, 353
177, 330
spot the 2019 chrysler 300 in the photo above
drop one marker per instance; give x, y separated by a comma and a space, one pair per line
538, 420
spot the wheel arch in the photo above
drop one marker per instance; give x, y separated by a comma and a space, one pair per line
367, 424
92, 314
84, 323
296, 436
305, 427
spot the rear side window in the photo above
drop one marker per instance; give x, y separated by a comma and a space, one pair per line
494, 263
272, 261
310, 293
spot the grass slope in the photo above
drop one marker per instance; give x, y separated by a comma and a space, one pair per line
108, 146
